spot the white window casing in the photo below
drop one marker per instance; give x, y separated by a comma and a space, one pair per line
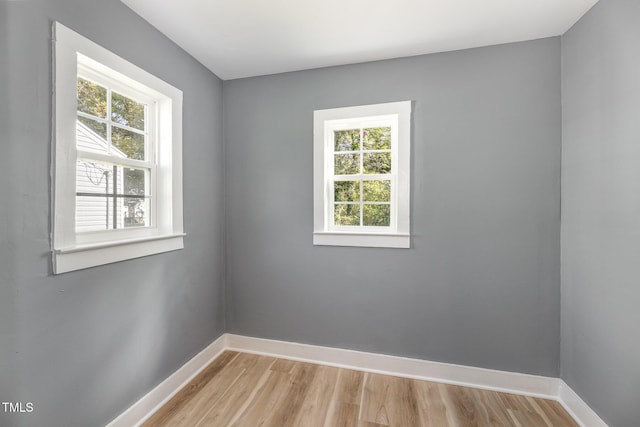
74, 56
397, 116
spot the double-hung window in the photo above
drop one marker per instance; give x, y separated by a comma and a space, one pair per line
361, 175
117, 158
115, 147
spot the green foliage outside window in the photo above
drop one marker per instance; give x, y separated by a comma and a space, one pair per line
362, 202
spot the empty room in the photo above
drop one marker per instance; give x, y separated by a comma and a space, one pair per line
304, 213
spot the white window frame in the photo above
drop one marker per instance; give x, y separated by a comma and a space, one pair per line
72, 250
397, 115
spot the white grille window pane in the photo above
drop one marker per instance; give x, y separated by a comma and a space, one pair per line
136, 206
99, 128
110, 197
347, 214
376, 138
92, 213
95, 183
376, 191
376, 215
136, 211
347, 140
347, 164
91, 98
127, 143
376, 163
347, 191
127, 112
94, 177
91, 136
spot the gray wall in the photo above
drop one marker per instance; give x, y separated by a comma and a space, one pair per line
600, 356
84, 346
480, 285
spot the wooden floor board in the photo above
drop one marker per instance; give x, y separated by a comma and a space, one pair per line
223, 410
246, 390
316, 404
432, 411
257, 411
197, 396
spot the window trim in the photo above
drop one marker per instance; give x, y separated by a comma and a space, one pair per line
325, 121
69, 252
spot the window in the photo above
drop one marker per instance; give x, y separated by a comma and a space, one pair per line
362, 176
117, 163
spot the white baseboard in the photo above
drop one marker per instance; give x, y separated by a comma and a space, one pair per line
140, 411
488, 379
579, 410
509, 382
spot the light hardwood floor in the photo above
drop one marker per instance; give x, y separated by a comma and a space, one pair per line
239, 389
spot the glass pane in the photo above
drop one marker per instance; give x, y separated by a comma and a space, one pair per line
126, 111
92, 98
94, 213
347, 164
376, 215
376, 138
134, 182
136, 209
347, 140
135, 212
94, 204
91, 135
376, 191
129, 144
377, 162
346, 214
94, 177
101, 205
347, 191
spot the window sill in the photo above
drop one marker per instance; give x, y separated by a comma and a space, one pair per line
91, 255
370, 240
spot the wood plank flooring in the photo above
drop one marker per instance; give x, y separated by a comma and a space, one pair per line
239, 389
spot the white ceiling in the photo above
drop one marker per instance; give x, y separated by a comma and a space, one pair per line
242, 38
